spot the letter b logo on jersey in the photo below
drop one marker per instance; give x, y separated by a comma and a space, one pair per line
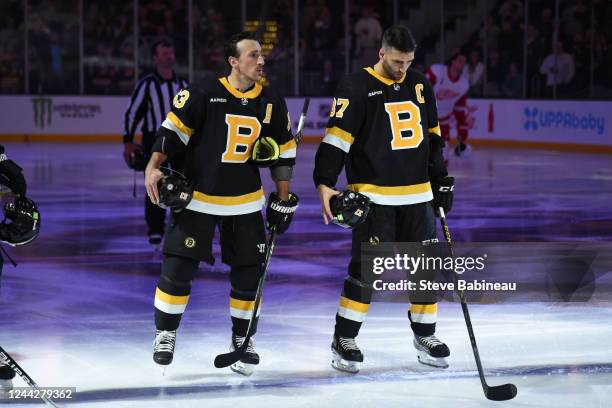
405, 118
242, 131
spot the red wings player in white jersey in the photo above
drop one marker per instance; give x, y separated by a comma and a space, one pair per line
451, 89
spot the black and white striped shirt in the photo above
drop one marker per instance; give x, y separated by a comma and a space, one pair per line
149, 104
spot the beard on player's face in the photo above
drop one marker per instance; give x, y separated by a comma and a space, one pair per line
395, 63
390, 71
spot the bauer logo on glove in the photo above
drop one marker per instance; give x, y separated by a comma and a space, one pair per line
349, 209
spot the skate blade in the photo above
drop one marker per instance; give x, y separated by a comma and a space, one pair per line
243, 368
426, 359
344, 365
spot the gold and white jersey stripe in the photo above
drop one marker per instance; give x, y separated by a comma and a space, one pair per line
338, 138
227, 205
288, 150
397, 195
174, 124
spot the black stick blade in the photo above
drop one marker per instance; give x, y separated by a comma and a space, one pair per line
503, 392
227, 359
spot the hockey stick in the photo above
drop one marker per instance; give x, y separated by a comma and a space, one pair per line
300, 126
495, 393
26, 378
227, 359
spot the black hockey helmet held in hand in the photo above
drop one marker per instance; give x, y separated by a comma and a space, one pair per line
175, 190
349, 209
24, 224
138, 160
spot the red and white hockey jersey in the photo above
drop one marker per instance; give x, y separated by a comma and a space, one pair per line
450, 95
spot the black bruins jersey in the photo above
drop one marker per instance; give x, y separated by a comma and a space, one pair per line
215, 125
381, 131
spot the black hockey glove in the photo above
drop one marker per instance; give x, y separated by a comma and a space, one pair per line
443, 193
280, 213
11, 176
138, 159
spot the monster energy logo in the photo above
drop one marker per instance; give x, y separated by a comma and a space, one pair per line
43, 111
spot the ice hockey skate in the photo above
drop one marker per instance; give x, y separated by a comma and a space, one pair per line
431, 351
246, 365
346, 356
163, 348
462, 150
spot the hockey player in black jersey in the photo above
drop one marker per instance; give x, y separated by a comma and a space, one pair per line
216, 124
383, 129
22, 229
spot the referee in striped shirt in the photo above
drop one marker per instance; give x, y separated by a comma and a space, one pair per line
149, 104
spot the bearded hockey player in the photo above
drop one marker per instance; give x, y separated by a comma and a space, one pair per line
384, 130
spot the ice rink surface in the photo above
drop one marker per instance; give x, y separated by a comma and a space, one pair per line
78, 309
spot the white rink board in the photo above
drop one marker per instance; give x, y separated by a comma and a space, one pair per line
577, 122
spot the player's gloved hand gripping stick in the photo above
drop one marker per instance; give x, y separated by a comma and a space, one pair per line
495, 393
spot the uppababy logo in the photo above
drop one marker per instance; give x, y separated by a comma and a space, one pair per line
536, 119
530, 118
43, 111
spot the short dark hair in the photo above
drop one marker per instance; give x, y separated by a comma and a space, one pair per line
400, 38
164, 42
231, 46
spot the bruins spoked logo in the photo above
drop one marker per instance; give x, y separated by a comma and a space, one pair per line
190, 242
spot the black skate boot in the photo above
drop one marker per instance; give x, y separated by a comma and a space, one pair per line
431, 351
346, 356
163, 347
462, 149
246, 365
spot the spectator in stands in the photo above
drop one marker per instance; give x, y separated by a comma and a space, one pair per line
494, 74
546, 25
473, 72
368, 33
510, 43
512, 86
511, 10
581, 55
489, 33
536, 51
574, 18
558, 68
